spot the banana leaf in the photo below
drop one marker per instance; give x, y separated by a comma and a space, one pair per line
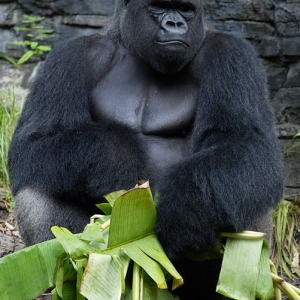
97, 263
130, 237
245, 272
28, 273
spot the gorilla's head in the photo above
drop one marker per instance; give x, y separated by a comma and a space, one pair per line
165, 33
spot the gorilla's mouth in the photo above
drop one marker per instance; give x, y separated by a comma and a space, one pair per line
176, 43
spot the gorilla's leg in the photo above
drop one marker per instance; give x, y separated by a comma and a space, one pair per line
37, 212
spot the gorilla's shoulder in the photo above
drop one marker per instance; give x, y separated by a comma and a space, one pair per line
85, 48
222, 48
225, 43
90, 56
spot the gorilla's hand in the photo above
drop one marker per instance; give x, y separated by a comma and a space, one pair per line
188, 222
220, 188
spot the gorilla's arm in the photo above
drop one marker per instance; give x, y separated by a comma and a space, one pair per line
57, 147
235, 173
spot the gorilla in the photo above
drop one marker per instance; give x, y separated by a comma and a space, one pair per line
154, 95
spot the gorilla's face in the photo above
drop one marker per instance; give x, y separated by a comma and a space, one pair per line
165, 33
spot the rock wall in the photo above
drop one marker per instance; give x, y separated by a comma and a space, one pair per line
271, 26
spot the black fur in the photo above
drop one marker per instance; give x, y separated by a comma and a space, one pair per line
72, 146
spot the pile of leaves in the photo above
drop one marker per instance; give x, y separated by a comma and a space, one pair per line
118, 256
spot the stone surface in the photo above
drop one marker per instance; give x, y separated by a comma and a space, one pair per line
293, 75
50, 7
291, 158
290, 46
286, 103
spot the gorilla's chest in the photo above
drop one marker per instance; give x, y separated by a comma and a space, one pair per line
151, 104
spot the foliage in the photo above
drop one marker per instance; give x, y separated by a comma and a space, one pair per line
240, 276
286, 219
96, 264
10, 59
294, 145
9, 114
35, 34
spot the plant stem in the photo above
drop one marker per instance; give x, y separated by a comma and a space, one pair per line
136, 282
248, 235
277, 291
285, 287
105, 225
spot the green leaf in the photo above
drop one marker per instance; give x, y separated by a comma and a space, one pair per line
46, 31
239, 273
59, 274
264, 289
72, 245
35, 264
133, 216
152, 247
44, 48
17, 43
105, 207
21, 28
297, 135
149, 265
10, 59
25, 57
69, 292
80, 264
92, 232
33, 45
112, 197
102, 278
43, 36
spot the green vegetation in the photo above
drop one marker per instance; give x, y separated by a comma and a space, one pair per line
286, 219
119, 257
294, 145
33, 39
34, 36
9, 114
286, 250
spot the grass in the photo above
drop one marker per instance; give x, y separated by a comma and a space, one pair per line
9, 114
286, 237
286, 249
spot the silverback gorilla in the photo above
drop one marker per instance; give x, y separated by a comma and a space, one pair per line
153, 96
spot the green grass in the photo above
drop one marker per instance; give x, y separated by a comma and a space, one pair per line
286, 250
9, 114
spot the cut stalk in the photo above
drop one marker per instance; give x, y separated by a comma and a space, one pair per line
285, 287
277, 291
247, 235
105, 225
136, 282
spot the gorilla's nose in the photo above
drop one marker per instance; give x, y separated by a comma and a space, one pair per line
174, 26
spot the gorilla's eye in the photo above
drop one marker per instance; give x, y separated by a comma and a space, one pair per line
186, 10
158, 8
